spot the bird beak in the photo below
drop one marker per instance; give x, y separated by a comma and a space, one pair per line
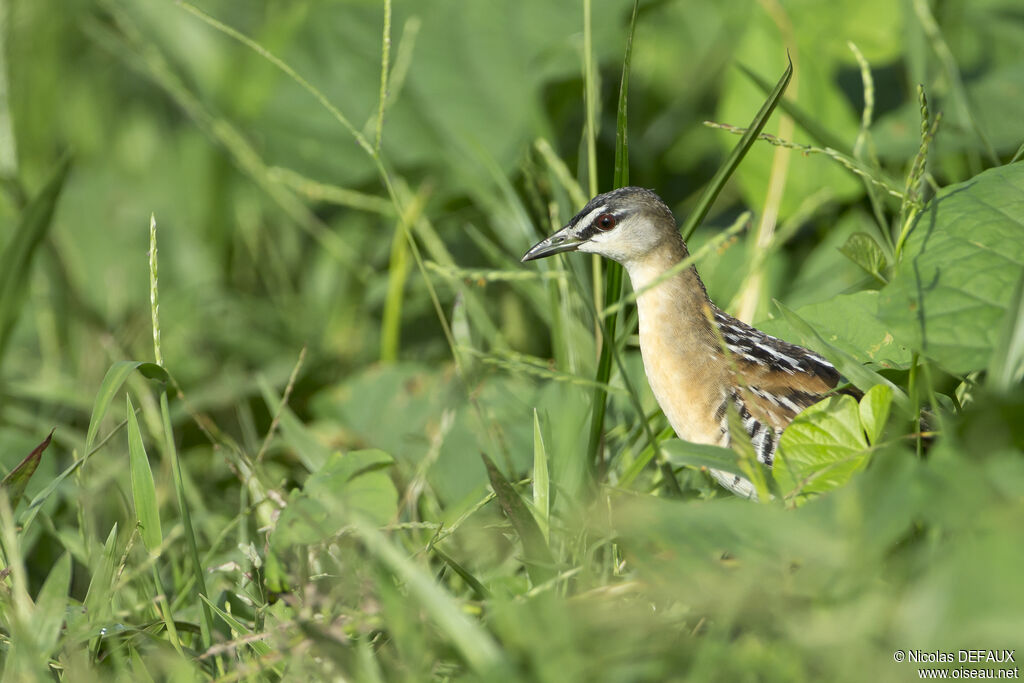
563, 240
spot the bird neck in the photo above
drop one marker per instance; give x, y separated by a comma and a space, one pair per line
680, 298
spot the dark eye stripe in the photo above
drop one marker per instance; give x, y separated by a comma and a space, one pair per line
591, 229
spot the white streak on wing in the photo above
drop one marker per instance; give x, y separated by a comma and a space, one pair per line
789, 404
766, 395
758, 442
740, 351
776, 354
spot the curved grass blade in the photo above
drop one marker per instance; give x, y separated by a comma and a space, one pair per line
261, 648
147, 511
818, 133
702, 456
478, 588
97, 597
51, 604
541, 480
16, 258
112, 381
737, 154
1007, 362
613, 279
473, 642
536, 555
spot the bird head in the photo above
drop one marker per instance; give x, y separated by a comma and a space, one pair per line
623, 225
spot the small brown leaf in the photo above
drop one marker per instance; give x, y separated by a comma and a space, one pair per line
17, 480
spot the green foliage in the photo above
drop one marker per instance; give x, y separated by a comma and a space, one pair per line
351, 485
829, 441
352, 184
962, 260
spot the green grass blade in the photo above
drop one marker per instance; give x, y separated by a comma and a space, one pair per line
398, 273
1007, 363
17, 479
206, 623
638, 465
590, 97
114, 378
481, 591
98, 597
613, 279
112, 381
749, 465
621, 170
171, 452
818, 133
701, 456
16, 258
541, 481
737, 154
536, 555
385, 59
474, 643
147, 511
257, 646
51, 604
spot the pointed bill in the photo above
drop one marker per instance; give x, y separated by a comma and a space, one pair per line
563, 240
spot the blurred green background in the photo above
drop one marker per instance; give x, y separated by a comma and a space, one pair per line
277, 233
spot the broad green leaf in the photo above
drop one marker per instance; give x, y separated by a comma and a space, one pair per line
354, 483
147, 511
17, 479
862, 249
51, 604
821, 448
536, 555
874, 411
849, 323
862, 377
962, 259
683, 453
16, 257
112, 381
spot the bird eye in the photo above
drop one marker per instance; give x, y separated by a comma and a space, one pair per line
605, 222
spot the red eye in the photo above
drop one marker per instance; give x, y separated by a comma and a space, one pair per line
605, 222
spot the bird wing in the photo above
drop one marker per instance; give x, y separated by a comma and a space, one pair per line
773, 381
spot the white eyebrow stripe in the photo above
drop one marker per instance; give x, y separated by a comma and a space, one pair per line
586, 220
